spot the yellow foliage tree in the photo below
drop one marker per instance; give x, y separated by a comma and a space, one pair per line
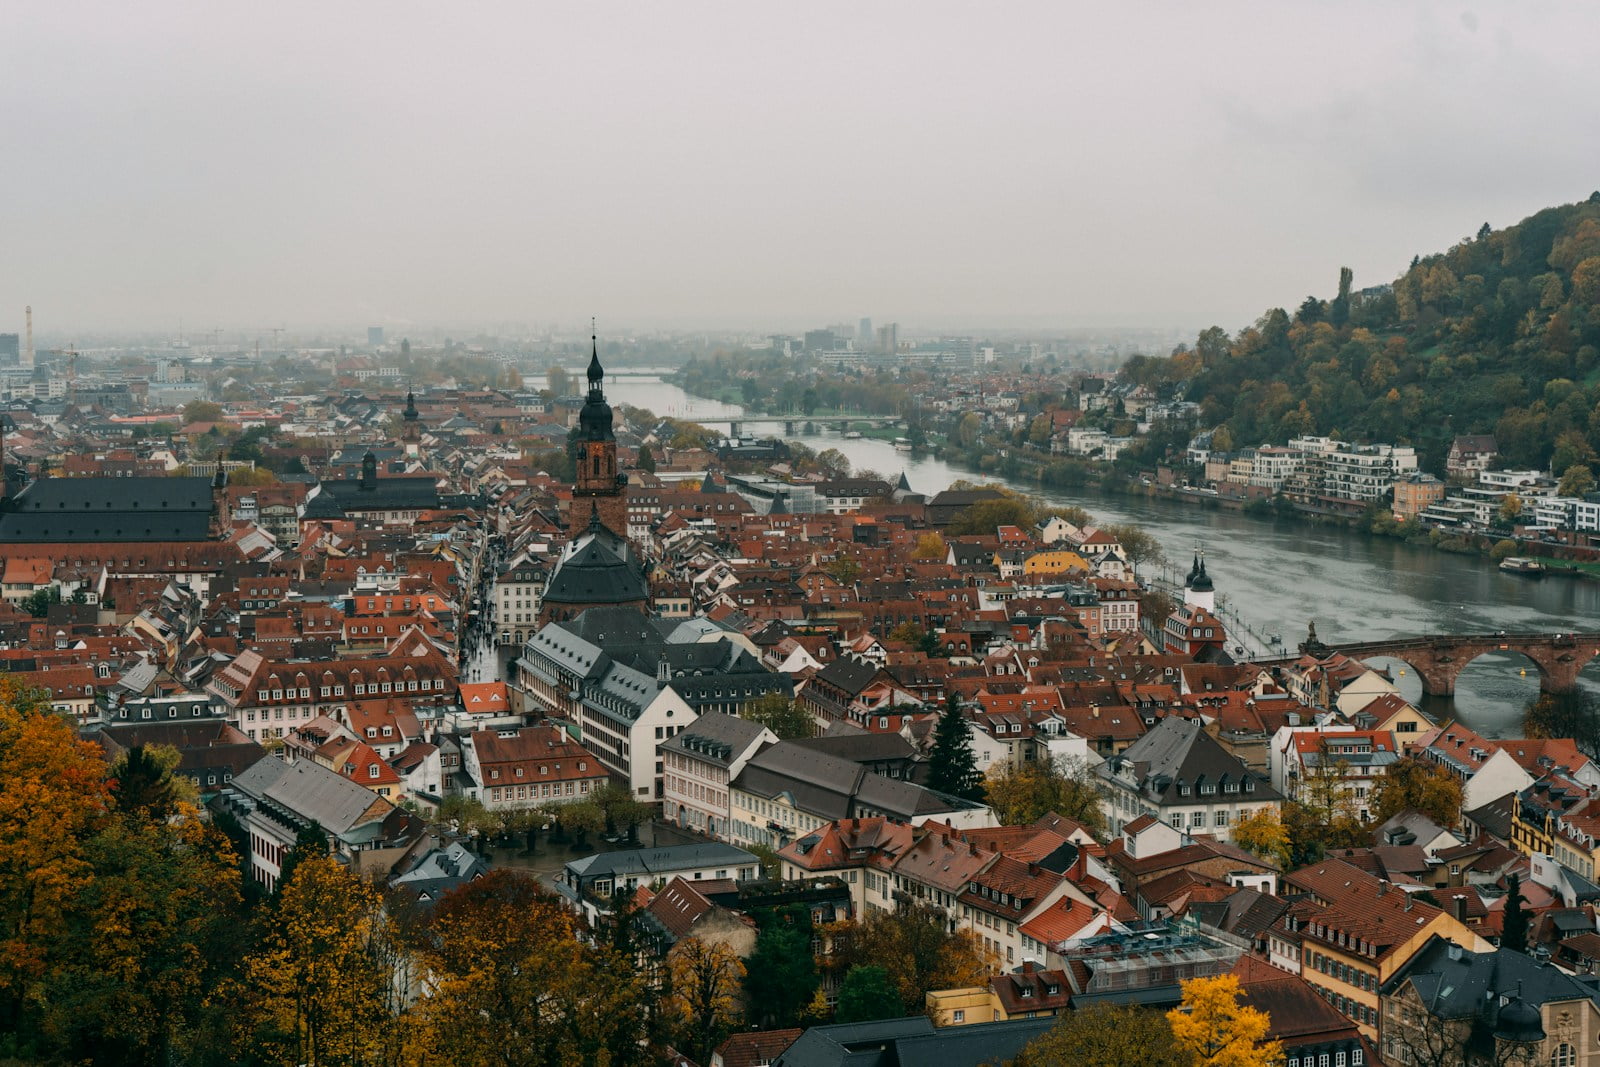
514, 987
1217, 1030
320, 987
706, 979
929, 546
53, 796
1264, 834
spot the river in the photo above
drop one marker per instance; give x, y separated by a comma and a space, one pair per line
1279, 575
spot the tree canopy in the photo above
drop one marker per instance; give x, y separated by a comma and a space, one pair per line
1496, 335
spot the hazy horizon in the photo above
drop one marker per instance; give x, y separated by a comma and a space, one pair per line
731, 166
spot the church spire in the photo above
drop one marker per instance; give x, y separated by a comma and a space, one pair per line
596, 372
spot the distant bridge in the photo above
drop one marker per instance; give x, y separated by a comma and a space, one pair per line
1438, 659
792, 423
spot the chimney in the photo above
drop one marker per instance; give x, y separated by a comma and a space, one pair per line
1461, 907
972, 848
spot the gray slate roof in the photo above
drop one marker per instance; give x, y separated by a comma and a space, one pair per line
1178, 752
77, 510
314, 793
716, 738
835, 788
658, 862
1458, 988
913, 1042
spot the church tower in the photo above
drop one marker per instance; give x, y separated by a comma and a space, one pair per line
411, 433
598, 487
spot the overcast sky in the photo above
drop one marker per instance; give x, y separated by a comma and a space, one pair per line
684, 163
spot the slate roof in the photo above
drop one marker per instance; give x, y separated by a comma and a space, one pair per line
77, 510
835, 788
1178, 752
314, 793
716, 738
913, 1042
410, 493
661, 861
600, 570
1456, 988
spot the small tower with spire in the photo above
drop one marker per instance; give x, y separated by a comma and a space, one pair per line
597, 480
1198, 590
411, 432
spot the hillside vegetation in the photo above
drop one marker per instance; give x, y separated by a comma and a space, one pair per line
1500, 334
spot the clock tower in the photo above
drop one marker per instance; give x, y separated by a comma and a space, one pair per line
598, 487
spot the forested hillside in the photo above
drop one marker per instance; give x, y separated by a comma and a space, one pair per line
1500, 334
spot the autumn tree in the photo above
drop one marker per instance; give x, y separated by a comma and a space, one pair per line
1105, 1035
1570, 713
781, 714
1213, 1027
952, 765
1263, 834
201, 411
1138, 544
53, 797
150, 935
515, 987
318, 989
1411, 783
986, 516
867, 994
1021, 793
310, 842
930, 546
843, 570
915, 946
908, 633
705, 982
1576, 480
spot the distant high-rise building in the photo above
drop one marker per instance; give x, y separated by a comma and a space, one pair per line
374, 336
10, 349
820, 341
864, 332
889, 339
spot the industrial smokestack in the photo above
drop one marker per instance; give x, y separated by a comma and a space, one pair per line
27, 350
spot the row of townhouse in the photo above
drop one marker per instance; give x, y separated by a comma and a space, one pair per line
1018, 894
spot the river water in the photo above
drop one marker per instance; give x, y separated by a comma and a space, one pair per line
1278, 575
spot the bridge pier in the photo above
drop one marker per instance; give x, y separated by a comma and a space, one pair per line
733, 429
788, 427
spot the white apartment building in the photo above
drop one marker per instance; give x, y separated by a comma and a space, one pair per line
1271, 466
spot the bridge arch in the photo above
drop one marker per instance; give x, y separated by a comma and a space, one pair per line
1402, 673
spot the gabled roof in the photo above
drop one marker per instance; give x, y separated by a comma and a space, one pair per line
314, 793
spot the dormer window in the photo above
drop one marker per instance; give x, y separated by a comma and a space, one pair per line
372, 770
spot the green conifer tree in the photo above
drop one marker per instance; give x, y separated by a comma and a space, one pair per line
952, 766
1514, 932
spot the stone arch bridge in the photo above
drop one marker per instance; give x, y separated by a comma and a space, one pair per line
1438, 659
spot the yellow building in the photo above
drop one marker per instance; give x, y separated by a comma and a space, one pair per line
1027, 993
1054, 561
1356, 931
